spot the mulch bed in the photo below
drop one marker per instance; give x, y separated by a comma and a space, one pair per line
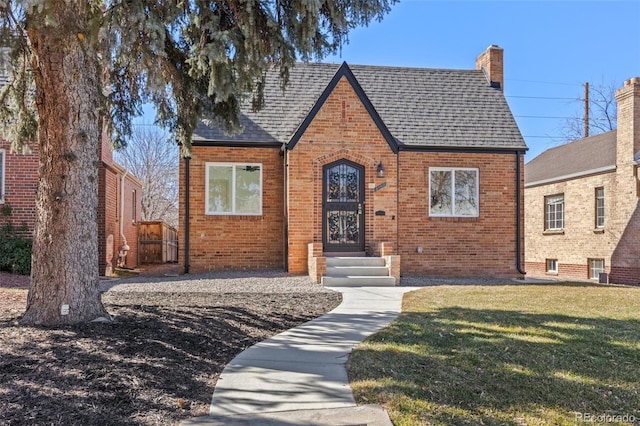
157, 364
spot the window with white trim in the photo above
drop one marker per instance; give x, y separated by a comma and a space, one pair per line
600, 207
552, 266
596, 267
233, 189
2, 174
554, 212
453, 192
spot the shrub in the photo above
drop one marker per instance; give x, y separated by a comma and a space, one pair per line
15, 250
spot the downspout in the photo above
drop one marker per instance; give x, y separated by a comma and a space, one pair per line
285, 250
186, 214
124, 248
397, 248
518, 218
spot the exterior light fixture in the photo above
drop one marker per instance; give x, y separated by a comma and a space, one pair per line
380, 170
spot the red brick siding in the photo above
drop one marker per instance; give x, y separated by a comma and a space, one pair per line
482, 246
20, 186
342, 129
234, 242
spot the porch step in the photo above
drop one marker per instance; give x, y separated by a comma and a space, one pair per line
355, 261
349, 271
359, 281
357, 272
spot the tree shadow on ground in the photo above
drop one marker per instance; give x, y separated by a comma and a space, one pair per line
466, 366
156, 364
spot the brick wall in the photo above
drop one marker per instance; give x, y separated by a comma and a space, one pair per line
342, 129
20, 186
579, 241
479, 246
228, 241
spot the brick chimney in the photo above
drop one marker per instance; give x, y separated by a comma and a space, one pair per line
628, 133
490, 61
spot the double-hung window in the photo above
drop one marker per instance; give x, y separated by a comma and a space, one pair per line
233, 189
453, 192
2, 174
599, 207
554, 212
596, 267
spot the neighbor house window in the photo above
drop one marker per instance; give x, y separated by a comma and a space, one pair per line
554, 212
552, 266
596, 267
453, 192
233, 188
599, 207
2, 175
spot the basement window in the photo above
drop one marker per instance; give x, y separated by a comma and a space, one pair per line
552, 266
596, 267
233, 189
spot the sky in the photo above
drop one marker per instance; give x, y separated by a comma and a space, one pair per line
551, 48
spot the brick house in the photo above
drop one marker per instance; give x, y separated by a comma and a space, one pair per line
119, 196
420, 166
581, 202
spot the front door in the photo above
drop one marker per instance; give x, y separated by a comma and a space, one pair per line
343, 207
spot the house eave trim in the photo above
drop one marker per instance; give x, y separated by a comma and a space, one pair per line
238, 144
461, 149
344, 71
570, 176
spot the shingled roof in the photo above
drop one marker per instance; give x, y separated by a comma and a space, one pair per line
420, 107
595, 154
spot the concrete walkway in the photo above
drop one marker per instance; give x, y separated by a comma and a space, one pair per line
299, 376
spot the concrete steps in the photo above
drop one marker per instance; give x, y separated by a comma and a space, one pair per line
357, 272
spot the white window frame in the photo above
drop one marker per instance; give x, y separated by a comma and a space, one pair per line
593, 269
3, 173
547, 221
600, 208
233, 189
552, 266
453, 171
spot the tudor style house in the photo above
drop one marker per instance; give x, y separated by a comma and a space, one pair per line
422, 167
581, 202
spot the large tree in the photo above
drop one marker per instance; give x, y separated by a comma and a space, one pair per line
93, 62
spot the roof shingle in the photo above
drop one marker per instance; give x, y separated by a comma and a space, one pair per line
586, 155
421, 107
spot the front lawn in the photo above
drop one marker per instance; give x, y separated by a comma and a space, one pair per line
561, 354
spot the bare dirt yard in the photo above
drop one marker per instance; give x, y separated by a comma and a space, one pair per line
157, 363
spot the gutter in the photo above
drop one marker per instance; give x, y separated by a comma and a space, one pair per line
518, 217
124, 248
570, 176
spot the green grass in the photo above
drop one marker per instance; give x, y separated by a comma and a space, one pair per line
506, 355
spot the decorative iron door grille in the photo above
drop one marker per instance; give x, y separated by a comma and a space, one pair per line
343, 207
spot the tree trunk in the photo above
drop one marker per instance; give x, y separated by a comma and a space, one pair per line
64, 277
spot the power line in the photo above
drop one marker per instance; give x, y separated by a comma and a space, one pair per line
543, 97
541, 116
544, 82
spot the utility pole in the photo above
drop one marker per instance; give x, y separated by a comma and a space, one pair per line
586, 109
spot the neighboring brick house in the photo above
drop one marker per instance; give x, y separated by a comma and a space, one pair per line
423, 165
19, 183
581, 202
